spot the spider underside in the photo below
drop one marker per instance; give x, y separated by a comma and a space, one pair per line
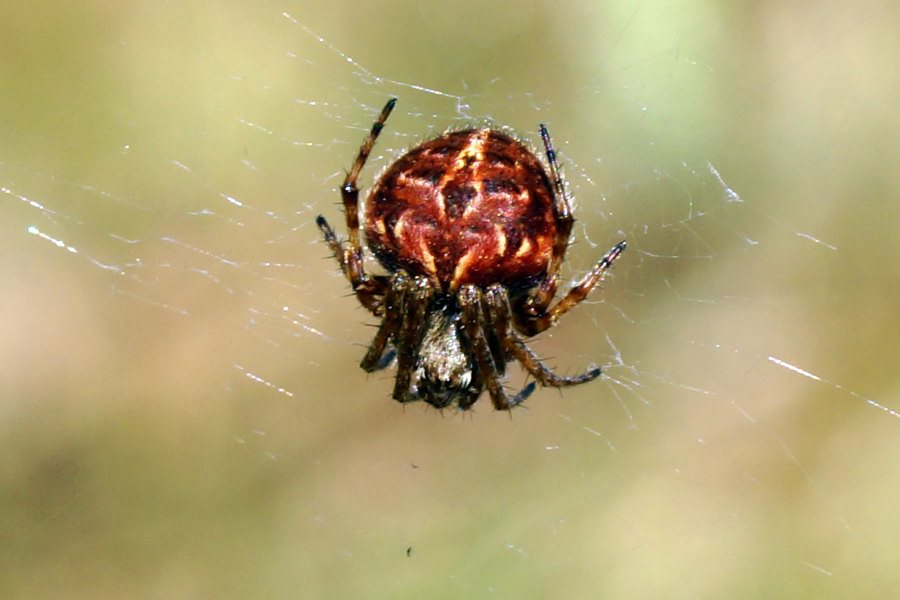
465, 286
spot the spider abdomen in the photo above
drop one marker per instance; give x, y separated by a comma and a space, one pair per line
469, 207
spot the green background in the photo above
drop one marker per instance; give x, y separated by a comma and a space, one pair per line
181, 414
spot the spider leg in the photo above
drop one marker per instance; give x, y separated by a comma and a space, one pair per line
497, 308
533, 326
538, 303
543, 373
473, 325
369, 291
350, 192
351, 258
376, 358
413, 312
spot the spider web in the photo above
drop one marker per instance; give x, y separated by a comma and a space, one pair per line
175, 325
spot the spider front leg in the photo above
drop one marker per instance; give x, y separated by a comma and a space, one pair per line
369, 290
533, 315
377, 358
416, 295
537, 304
473, 325
351, 258
532, 324
499, 314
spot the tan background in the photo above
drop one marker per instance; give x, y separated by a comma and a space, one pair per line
181, 414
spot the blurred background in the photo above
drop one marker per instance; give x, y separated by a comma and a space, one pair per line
181, 411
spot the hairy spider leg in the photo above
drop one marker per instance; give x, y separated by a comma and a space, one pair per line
414, 304
378, 357
473, 319
537, 304
533, 326
496, 306
536, 315
368, 289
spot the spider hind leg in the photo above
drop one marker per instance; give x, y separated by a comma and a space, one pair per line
496, 305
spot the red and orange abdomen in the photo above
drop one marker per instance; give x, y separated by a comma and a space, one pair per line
470, 207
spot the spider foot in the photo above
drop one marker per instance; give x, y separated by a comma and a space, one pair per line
372, 363
554, 380
592, 373
523, 394
326, 229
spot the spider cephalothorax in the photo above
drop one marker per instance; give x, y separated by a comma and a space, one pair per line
472, 230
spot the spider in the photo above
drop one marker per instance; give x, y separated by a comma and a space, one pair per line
472, 230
